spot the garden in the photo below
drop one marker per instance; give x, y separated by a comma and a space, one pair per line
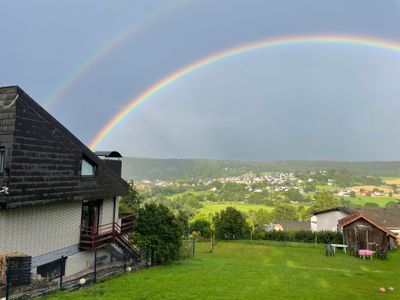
255, 270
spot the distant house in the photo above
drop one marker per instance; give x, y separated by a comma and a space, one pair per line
57, 198
294, 226
367, 228
272, 227
327, 220
287, 226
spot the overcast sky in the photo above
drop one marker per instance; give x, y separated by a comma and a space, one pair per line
330, 102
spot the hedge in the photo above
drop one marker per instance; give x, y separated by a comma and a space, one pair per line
325, 237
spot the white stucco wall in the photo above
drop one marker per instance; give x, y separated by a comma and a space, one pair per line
106, 212
43, 229
40, 229
327, 221
83, 260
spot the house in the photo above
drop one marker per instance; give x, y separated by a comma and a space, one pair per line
294, 226
367, 228
287, 226
58, 200
272, 227
327, 220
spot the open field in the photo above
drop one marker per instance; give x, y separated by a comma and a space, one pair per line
392, 180
213, 207
255, 270
361, 200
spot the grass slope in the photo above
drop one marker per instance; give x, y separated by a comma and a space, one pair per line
255, 270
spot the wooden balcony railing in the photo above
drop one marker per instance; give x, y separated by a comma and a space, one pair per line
96, 237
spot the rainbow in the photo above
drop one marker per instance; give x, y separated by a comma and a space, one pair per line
228, 53
108, 47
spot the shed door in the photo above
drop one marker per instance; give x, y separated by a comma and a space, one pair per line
362, 236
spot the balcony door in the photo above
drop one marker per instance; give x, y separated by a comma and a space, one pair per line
91, 216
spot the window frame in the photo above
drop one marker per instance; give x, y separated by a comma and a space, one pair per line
2, 160
90, 162
54, 269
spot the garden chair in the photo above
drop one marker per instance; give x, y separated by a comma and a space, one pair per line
329, 250
382, 253
354, 250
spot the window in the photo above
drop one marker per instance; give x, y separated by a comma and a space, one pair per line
52, 270
2, 159
88, 168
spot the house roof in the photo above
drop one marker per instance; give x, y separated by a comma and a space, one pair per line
386, 219
295, 225
346, 210
43, 158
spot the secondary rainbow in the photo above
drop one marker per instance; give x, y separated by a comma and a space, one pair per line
108, 47
369, 42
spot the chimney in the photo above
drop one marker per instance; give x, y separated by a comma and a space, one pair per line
112, 159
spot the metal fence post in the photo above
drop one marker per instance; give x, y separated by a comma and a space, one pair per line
95, 266
8, 281
62, 269
125, 259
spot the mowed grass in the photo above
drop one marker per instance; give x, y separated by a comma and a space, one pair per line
213, 207
255, 270
381, 201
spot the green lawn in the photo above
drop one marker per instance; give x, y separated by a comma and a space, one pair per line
211, 207
361, 200
327, 187
255, 270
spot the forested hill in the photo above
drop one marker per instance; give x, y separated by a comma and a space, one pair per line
172, 169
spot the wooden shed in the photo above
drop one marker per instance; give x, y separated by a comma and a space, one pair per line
367, 229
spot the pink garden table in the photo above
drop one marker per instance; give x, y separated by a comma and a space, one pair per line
365, 253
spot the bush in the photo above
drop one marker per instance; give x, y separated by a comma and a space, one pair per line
324, 237
158, 232
230, 224
202, 226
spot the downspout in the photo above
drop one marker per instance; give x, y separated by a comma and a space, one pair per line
114, 211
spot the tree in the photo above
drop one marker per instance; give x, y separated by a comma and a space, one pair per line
158, 232
203, 226
324, 200
259, 217
294, 195
183, 221
131, 202
284, 212
310, 187
230, 224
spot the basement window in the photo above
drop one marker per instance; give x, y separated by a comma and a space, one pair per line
52, 270
88, 168
2, 160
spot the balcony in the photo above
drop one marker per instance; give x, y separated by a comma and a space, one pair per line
92, 238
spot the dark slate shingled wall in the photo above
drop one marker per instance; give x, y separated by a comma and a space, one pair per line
7, 126
46, 162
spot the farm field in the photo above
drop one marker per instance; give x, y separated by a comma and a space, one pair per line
391, 180
255, 270
361, 200
213, 207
